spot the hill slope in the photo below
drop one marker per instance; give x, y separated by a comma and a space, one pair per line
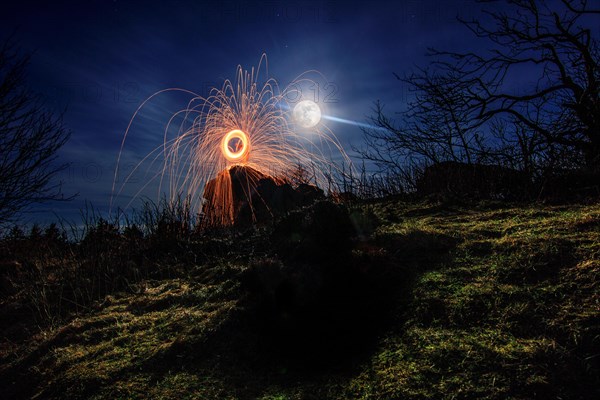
434, 301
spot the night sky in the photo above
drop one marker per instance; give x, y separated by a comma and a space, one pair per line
99, 60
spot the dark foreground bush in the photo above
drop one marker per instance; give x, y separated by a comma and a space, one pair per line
321, 232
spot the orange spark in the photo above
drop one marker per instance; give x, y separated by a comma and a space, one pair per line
245, 123
236, 146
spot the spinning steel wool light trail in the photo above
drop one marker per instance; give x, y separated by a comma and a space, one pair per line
244, 123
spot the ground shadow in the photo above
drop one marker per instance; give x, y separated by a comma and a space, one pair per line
297, 318
299, 322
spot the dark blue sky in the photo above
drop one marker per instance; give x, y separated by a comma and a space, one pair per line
101, 59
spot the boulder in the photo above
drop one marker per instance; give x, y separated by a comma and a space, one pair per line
243, 196
319, 233
478, 181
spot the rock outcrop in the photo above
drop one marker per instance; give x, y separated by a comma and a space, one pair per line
243, 196
473, 180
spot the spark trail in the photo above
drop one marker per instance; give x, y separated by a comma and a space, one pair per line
244, 123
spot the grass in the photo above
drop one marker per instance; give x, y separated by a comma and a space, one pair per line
437, 300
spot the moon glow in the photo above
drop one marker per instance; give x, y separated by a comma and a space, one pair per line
307, 114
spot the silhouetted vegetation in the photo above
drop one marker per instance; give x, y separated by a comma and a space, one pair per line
385, 300
468, 107
30, 136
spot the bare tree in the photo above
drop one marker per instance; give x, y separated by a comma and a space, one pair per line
521, 147
437, 126
549, 38
518, 147
474, 107
440, 121
30, 137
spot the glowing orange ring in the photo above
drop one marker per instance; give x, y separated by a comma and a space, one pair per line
240, 155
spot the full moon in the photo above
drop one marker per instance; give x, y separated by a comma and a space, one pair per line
307, 113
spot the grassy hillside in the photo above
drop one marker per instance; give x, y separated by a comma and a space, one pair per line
430, 301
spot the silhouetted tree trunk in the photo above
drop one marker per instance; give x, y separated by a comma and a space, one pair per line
30, 136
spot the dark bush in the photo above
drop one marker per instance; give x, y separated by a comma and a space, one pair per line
317, 233
570, 185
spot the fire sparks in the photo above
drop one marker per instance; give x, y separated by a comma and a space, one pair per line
244, 123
